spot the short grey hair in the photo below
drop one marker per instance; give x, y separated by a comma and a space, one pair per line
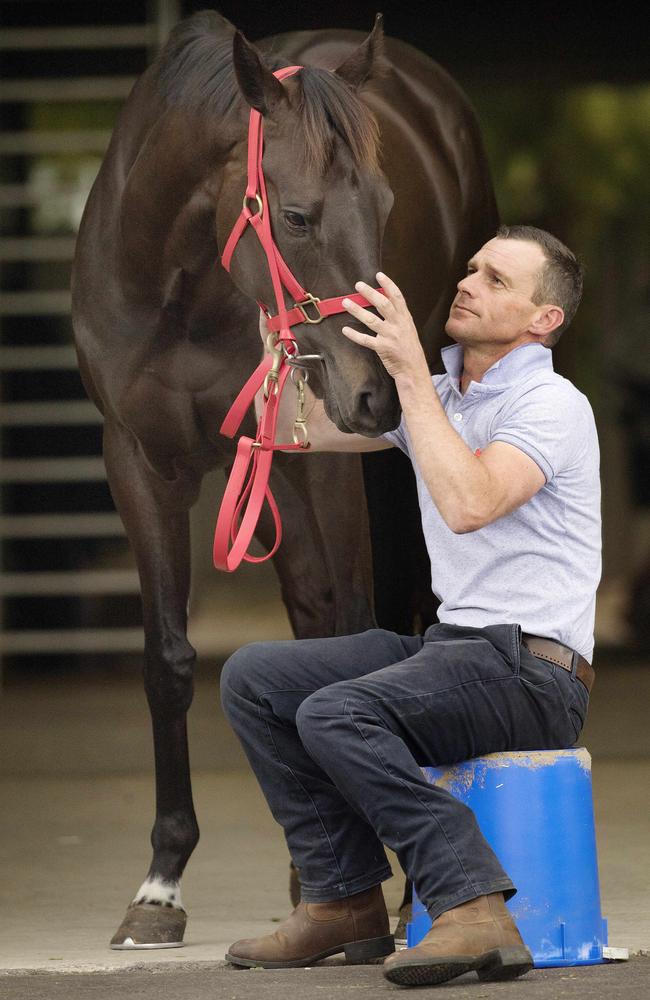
559, 282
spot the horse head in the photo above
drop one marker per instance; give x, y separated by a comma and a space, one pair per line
329, 201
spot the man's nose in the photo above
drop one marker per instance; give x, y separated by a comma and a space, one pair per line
465, 284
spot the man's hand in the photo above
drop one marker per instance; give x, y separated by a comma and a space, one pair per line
396, 339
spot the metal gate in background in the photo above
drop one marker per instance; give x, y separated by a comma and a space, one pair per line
68, 583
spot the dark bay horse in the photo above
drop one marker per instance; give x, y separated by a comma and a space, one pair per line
166, 337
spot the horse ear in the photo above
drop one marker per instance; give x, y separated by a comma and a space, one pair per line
262, 90
367, 61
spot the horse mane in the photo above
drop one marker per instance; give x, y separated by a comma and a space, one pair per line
195, 70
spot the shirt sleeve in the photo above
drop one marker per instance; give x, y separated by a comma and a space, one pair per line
548, 423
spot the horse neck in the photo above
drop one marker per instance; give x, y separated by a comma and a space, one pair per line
169, 199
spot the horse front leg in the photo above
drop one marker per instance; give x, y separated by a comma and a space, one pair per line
156, 519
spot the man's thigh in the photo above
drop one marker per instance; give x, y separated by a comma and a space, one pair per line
459, 696
280, 675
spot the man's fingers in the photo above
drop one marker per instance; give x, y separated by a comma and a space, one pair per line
381, 302
361, 314
363, 339
389, 286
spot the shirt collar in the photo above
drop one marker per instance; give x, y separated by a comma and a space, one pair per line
509, 369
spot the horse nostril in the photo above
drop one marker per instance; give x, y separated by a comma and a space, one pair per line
365, 404
372, 407
376, 409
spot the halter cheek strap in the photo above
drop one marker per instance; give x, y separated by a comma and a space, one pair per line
247, 487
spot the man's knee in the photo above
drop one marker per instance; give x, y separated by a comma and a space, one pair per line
318, 718
241, 671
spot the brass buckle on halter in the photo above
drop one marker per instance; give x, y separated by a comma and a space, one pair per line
311, 300
260, 206
273, 374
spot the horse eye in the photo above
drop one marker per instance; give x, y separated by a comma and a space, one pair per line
295, 220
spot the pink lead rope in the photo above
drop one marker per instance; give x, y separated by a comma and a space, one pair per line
248, 484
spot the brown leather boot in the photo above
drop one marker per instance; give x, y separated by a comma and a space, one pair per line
479, 934
357, 925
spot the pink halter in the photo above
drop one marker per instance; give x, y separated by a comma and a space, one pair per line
231, 538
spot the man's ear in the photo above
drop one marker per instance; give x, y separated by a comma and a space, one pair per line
547, 319
260, 88
367, 61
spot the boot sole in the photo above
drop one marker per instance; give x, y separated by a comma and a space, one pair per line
492, 966
356, 953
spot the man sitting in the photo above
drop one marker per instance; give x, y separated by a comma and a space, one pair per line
505, 453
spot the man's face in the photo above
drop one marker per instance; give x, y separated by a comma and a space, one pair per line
494, 304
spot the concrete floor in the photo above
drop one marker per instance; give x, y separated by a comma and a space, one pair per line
77, 806
219, 981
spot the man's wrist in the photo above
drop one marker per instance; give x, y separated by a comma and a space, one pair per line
413, 381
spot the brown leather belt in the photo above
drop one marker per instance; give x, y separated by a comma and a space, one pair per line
563, 656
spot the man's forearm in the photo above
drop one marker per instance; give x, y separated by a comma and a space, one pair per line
457, 480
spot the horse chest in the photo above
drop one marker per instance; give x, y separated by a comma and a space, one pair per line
176, 401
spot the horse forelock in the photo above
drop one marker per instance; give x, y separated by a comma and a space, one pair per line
195, 70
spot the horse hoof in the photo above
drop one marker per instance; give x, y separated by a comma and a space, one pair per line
147, 925
404, 919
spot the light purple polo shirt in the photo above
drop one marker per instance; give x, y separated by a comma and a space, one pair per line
541, 564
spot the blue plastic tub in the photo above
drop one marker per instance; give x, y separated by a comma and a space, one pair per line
535, 809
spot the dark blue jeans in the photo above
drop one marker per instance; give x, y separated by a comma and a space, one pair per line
336, 730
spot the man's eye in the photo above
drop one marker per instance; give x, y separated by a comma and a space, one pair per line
497, 281
295, 220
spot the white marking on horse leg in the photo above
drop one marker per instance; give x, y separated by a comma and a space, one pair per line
160, 893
